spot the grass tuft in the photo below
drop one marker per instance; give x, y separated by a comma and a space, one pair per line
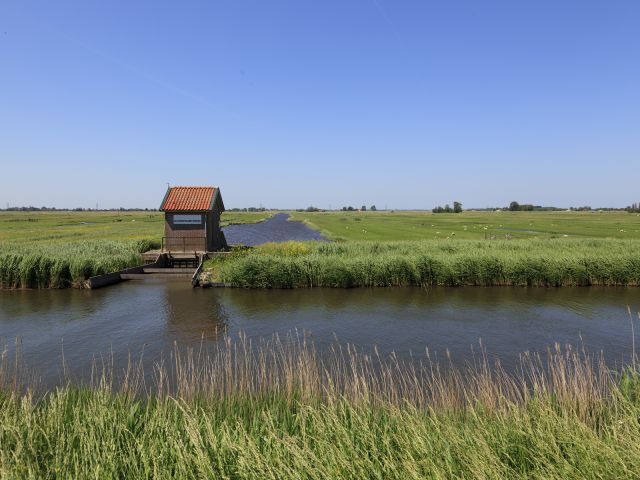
526, 262
46, 265
280, 409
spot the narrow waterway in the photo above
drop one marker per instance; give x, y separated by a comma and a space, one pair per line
277, 228
153, 316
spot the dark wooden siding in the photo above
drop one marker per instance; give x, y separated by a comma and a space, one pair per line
187, 237
192, 237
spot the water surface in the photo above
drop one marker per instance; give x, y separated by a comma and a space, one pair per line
274, 229
154, 314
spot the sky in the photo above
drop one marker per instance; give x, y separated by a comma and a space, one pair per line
287, 104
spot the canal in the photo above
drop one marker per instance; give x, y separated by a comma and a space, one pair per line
153, 316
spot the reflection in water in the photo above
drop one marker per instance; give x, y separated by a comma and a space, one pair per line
133, 318
187, 325
580, 301
153, 315
509, 321
17, 303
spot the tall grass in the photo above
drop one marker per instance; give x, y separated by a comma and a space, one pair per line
282, 410
43, 265
532, 262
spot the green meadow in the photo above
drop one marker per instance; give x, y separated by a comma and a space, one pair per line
74, 227
425, 249
60, 249
408, 225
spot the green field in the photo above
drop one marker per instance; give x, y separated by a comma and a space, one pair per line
426, 249
73, 227
57, 249
401, 225
281, 411
404, 225
62, 249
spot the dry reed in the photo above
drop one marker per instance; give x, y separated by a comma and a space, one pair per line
281, 408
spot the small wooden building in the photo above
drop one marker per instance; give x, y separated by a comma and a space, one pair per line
192, 219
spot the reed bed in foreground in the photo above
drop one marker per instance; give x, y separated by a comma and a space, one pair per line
531, 262
280, 410
50, 265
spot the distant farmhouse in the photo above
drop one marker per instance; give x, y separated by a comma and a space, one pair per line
192, 220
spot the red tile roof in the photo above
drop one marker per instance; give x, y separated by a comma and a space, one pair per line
188, 199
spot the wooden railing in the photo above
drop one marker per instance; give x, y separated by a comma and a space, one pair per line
195, 280
184, 244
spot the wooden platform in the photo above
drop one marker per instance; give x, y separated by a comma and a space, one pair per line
164, 266
174, 270
150, 256
149, 276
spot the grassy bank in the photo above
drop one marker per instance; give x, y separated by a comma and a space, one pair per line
45, 265
283, 411
57, 249
532, 262
62, 249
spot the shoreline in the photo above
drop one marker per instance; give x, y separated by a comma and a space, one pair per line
278, 407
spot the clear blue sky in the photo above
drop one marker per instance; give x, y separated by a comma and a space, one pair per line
297, 103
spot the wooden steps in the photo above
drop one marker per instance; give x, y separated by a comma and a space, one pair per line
151, 272
148, 276
165, 266
174, 270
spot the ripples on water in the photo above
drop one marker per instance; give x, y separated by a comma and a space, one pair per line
153, 315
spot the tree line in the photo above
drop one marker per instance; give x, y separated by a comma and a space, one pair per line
77, 209
633, 208
457, 208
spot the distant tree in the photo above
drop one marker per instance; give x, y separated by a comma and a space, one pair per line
633, 208
448, 209
344, 209
363, 208
373, 208
457, 207
350, 208
437, 209
514, 206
